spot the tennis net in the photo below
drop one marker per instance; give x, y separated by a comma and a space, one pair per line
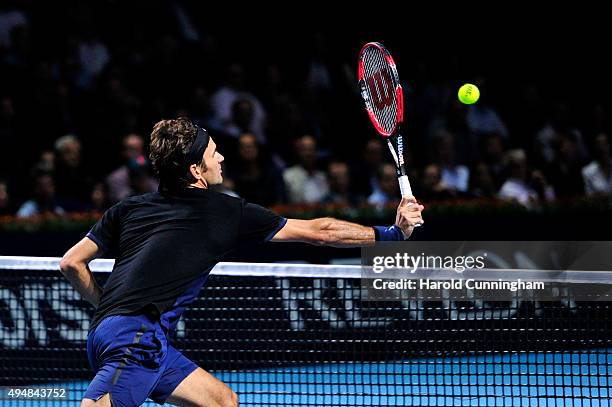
305, 335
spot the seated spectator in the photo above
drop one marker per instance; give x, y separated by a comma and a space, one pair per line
481, 182
71, 178
564, 171
518, 188
241, 121
222, 102
454, 176
597, 175
389, 188
339, 180
547, 138
304, 182
492, 153
483, 119
432, 187
255, 177
545, 191
44, 200
366, 170
46, 162
100, 201
6, 205
119, 183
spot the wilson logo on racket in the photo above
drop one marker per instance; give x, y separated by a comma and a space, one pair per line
381, 88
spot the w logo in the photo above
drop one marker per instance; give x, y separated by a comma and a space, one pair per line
381, 88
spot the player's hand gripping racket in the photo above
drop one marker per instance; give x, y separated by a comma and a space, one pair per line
384, 101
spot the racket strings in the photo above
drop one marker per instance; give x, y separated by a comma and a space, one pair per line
375, 64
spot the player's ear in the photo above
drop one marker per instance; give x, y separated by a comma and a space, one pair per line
195, 171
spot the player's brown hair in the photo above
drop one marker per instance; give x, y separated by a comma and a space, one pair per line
170, 143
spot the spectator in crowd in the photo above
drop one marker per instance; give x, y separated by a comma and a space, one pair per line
388, 191
545, 191
598, 174
367, 169
44, 201
454, 120
255, 177
564, 171
93, 57
9, 20
482, 118
518, 188
339, 180
454, 176
6, 205
222, 102
492, 152
432, 188
558, 126
9, 137
71, 177
241, 120
481, 182
46, 162
99, 197
304, 182
120, 183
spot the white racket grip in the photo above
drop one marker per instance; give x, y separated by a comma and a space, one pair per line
406, 190
404, 185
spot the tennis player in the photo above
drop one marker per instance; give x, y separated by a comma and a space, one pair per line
166, 243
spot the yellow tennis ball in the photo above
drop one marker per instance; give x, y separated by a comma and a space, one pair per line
468, 94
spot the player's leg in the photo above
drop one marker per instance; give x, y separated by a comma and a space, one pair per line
104, 401
127, 354
185, 384
201, 388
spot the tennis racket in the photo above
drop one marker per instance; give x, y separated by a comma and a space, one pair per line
384, 101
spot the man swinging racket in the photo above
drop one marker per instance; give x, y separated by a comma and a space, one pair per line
167, 242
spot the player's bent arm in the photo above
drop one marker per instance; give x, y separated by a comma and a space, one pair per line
325, 232
74, 266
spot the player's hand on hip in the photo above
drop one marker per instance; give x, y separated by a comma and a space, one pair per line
409, 215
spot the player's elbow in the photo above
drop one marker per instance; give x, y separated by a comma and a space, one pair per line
68, 263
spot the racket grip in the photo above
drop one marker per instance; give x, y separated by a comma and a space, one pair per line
404, 185
406, 189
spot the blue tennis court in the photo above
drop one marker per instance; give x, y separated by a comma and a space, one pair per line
530, 379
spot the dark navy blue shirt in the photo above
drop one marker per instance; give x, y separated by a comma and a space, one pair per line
166, 245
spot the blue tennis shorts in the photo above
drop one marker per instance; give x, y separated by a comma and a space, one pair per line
133, 361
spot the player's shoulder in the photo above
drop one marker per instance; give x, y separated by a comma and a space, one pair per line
136, 199
132, 201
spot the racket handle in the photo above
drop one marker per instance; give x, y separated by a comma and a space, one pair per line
406, 190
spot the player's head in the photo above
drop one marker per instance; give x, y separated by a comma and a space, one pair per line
183, 154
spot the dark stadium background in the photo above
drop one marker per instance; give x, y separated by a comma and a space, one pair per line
514, 53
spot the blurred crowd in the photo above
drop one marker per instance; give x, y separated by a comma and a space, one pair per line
78, 99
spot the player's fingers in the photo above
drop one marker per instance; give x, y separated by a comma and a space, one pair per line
414, 208
412, 217
407, 200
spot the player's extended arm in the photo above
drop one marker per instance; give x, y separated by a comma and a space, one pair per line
325, 232
74, 266
338, 233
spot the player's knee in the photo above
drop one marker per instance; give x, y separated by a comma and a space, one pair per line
104, 401
230, 400
233, 399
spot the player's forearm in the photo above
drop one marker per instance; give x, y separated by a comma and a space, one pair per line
81, 278
339, 233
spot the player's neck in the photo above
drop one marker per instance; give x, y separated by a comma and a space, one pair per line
200, 184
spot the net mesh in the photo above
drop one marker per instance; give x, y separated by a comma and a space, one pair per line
379, 88
304, 335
